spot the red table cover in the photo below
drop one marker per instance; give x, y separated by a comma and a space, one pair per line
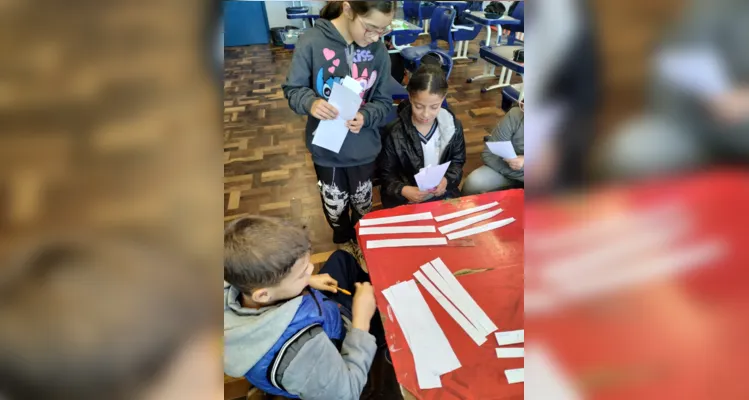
497, 288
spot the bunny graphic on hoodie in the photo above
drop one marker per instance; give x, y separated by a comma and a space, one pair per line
322, 58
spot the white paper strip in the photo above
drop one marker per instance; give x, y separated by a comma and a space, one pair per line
465, 212
463, 300
510, 337
394, 220
383, 230
468, 221
376, 244
450, 308
433, 355
510, 352
515, 375
480, 229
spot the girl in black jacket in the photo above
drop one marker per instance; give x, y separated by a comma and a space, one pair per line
423, 134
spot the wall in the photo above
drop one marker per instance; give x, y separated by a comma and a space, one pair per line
277, 12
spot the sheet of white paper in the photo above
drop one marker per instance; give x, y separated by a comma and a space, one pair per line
549, 380
444, 229
699, 70
510, 352
502, 149
352, 84
462, 299
384, 230
415, 242
394, 220
450, 308
431, 176
510, 337
425, 375
515, 375
331, 134
480, 229
465, 212
433, 355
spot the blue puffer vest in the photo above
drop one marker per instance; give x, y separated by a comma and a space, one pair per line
315, 310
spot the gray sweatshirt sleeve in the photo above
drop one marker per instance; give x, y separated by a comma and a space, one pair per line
501, 133
298, 86
320, 372
379, 105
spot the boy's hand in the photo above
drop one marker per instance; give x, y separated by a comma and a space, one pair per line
355, 124
323, 282
364, 306
323, 110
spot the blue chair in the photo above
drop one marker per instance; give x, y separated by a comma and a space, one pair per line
476, 6
412, 12
463, 33
519, 14
439, 29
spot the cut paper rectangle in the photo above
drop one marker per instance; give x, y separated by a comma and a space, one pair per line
415, 242
480, 229
383, 230
433, 355
502, 149
331, 134
471, 330
351, 84
510, 337
465, 212
431, 176
460, 297
444, 229
397, 219
510, 352
515, 375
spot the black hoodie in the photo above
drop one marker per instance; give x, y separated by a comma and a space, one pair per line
323, 57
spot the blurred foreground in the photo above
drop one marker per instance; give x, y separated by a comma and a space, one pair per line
109, 154
636, 256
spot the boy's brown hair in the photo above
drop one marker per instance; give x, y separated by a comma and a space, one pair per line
260, 251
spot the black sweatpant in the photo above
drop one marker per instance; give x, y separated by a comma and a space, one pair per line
341, 190
382, 383
344, 268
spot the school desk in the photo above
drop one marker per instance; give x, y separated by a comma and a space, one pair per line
491, 271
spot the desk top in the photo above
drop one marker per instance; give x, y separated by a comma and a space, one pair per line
480, 18
404, 27
496, 284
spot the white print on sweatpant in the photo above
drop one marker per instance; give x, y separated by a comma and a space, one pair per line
362, 199
334, 200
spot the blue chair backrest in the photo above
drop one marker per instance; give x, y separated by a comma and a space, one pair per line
440, 25
476, 6
445, 61
519, 12
412, 10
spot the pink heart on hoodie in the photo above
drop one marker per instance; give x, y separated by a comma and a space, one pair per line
328, 53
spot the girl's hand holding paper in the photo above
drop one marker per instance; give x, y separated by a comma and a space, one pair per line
355, 124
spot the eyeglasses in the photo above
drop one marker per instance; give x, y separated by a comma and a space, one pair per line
370, 31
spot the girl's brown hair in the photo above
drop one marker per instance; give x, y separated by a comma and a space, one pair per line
334, 9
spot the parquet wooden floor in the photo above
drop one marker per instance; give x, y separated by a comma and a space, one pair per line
267, 168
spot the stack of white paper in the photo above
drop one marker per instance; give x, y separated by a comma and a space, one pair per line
453, 297
430, 176
433, 355
330, 134
699, 70
502, 149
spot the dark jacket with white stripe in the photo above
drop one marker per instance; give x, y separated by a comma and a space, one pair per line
294, 349
403, 156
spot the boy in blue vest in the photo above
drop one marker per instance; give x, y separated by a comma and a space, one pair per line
280, 332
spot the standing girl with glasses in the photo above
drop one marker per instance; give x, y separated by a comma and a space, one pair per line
345, 41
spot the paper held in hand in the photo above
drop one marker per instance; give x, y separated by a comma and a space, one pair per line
330, 134
502, 149
430, 177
